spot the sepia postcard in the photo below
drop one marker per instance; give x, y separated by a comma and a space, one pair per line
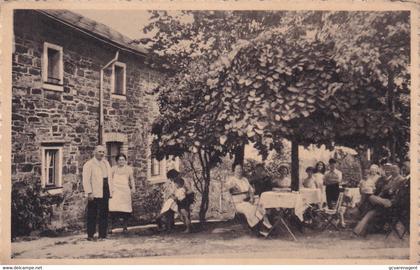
209, 132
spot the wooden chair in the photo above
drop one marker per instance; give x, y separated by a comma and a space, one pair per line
239, 218
281, 223
331, 217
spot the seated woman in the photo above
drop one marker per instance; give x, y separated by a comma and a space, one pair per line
243, 198
283, 181
367, 185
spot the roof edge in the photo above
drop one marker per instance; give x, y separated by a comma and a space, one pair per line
97, 35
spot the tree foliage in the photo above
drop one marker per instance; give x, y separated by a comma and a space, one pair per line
311, 77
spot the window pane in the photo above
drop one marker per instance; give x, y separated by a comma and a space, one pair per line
155, 170
53, 66
119, 80
51, 166
113, 149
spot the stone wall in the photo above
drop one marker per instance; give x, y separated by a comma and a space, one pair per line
71, 117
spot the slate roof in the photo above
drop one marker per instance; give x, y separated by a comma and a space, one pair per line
95, 28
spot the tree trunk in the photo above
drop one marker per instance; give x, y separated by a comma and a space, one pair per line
205, 197
365, 163
391, 107
239, 156
205, 173
295, 166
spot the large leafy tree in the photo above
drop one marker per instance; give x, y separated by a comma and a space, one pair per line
191, 44
309, 83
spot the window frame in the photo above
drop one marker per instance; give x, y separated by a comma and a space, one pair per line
163, 167
45, 84
59, 178
110, 158
124, 90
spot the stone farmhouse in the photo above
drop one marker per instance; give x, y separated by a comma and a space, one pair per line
66, 70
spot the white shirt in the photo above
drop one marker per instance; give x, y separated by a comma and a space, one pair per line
94, 172
333, 177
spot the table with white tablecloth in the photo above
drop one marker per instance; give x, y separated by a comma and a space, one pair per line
298, 201
283, 201
311, 195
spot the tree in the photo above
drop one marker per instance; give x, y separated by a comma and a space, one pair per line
190, 112
313, 88
301, 82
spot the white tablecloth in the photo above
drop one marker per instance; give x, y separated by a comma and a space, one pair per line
311, 195
299, 201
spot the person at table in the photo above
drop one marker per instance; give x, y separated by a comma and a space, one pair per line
243, 198
123, 186
385, 196
260, 180
309, 181
319, 172
367, 185
283, 180
382, 164
363, 206
332, 180
404, 196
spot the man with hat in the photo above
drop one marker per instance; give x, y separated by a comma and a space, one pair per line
386, 195
97, 185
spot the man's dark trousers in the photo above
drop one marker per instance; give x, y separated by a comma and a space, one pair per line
98, 207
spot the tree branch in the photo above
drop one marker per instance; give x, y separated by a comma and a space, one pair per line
203, 164
195, 178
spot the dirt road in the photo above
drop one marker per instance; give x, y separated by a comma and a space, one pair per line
219, 241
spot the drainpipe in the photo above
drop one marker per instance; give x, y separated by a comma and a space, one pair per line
101, 101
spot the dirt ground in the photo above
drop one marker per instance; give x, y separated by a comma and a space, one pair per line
227, 239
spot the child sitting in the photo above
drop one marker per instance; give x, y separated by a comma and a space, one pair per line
309, 181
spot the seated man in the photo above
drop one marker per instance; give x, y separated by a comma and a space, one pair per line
283, 180
261, 181
378, 204
402, 204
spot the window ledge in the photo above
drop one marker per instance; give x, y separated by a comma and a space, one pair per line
118, 96
52, 191
54, 87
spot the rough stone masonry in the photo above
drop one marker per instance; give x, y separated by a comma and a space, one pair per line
70, 117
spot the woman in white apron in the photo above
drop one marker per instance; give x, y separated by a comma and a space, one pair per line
123, 186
